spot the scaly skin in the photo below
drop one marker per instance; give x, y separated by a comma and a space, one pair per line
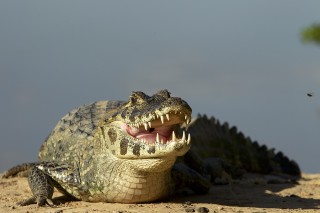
220, 147
116, 151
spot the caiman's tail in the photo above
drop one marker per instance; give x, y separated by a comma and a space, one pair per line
19, 170
210, 138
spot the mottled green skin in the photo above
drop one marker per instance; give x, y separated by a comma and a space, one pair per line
114, 151
105, 163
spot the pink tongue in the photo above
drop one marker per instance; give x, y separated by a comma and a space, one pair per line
164, 134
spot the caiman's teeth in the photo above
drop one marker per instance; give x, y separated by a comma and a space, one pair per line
183, 136
145, 126
174, 138
162, 119
188, 121
158, 138
149, 123
185, 117
168, 117
189, 139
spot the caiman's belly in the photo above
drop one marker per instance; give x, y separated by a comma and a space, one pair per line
133, 189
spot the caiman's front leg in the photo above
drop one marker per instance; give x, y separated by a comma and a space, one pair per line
43, 177
41, 186
40, 183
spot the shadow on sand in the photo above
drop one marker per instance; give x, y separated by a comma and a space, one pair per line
283, 196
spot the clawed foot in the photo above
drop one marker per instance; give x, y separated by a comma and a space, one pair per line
38, 201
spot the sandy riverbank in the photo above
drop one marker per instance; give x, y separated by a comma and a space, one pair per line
245, 196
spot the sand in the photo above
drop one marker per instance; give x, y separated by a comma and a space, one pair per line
252, 195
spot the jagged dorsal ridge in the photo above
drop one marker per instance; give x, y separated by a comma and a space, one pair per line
211, 138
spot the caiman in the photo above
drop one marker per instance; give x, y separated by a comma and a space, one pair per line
126, 152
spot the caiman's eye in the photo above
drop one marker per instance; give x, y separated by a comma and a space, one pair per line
133, 99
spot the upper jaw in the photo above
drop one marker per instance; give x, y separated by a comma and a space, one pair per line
167, 119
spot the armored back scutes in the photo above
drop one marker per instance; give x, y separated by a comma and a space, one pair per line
210, 138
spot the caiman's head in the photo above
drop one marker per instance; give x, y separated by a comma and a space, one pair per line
143, 127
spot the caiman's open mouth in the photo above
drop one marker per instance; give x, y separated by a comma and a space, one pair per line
160, 129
